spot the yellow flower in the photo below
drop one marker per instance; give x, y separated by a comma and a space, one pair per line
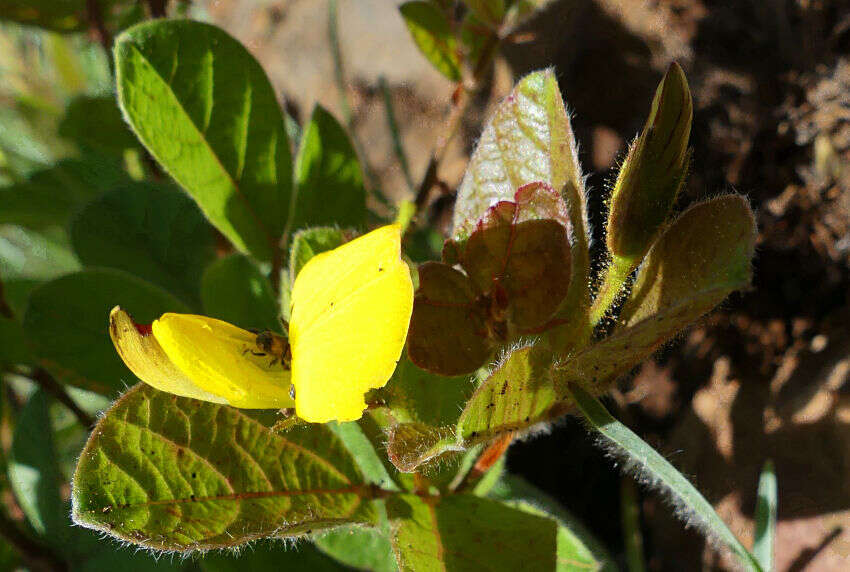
350, 312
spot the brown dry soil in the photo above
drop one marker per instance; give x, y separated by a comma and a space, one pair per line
763, 377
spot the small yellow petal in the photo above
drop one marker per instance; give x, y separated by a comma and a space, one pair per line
350, 312
220, 358
148, 362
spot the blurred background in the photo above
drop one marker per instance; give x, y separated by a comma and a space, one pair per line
763, 377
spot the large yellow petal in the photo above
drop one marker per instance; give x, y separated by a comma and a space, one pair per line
145, 358
217, 357
350, 312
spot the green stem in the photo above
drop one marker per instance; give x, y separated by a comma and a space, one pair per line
615, 278
632, 537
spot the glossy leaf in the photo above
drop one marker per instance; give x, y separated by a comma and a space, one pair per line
234, 290
433, 35
309, 242
328, 178
652, 468
153, 231
517, 394
206, 111
464, 532
654, 170
67, 321
178, 474
709, 247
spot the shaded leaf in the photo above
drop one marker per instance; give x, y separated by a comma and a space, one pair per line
13, 343
111, 136
362, 448
178, 474
411, 445
653, 172
328, 178
709, 247
490, 11
35, 255
153, 231
270, 555
360, 547
517, 394
67, 321
309, 242
52, 196
432, 33
65, 16
205, 109
464, 532
234, 290
765, 517
638, 457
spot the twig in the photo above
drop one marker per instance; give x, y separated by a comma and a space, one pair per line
47, 382
97, 26
38, 556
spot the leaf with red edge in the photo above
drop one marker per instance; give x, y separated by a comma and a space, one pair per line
447, 332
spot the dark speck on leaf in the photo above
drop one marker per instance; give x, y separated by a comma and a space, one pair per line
192, 497
194, 475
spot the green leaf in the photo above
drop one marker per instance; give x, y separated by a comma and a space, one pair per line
67, 322
309, 242
650, 467
65, 16
270, 555
328, 178
432, 33
364, 453
359, 547
173, 473
411, 445
464, 532
708, 248
653, 172
34, 472
490, 11
111, 135
205, 109
13, 343
517, 394
234, 290
51, 196
35, 255
530, 139
153, 231
765, 540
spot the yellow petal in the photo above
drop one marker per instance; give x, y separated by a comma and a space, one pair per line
350, 312
218, 358
148, 362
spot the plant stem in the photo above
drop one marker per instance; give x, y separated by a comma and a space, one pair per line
49, 384
97, 27
38, 556
615, 277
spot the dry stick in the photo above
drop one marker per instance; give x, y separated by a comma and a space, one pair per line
49, 384
38, 556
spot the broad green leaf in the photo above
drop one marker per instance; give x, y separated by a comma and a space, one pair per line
432, 33
51, 196
765, 540
363, 450
517, 394
416, 395
309, 242
412, 445
490, 11
34, 472
530, 139
709, 247
653, 172
234, 290
205, 109
13, 343
328, 178
173, 473
270, 555
111, 135
359, 547
577, 548
153, 231
650, 467
464, 532
67, 321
